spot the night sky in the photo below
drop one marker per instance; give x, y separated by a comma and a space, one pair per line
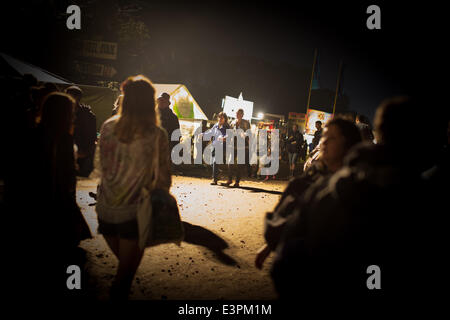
379, 63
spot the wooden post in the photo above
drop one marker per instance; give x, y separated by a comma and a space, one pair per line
337, 87
310, 85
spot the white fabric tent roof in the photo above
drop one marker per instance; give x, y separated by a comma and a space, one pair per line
45, 76
40, 74
172, 89
168, 88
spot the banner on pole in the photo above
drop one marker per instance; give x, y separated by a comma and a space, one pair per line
316, 115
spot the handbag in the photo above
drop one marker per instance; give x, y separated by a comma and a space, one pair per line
158, 217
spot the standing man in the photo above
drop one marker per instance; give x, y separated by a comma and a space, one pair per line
219, 134
317, 136
85, 133
294, 147
169, 120
235, 169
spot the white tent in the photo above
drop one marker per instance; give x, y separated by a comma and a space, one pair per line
25, 68
181, 99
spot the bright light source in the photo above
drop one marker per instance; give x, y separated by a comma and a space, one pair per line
260, 115
231, 105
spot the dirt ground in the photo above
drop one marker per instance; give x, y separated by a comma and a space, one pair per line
224, 229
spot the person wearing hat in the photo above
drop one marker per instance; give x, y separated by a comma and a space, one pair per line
85, 133
169, 121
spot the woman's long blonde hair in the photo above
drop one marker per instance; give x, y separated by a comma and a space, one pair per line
137, 113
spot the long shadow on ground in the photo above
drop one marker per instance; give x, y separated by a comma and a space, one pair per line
254, 189
201, 236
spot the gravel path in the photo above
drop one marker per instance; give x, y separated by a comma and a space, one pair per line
223, 232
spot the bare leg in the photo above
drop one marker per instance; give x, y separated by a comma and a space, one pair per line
113, 243
129, 258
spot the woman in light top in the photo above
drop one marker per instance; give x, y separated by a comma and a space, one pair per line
131, 143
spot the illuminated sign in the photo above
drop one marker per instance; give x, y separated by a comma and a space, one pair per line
316, 115
231, 105
183, 104
297, 116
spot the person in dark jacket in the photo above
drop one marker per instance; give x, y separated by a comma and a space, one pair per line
338, 138
365, 215
56, 222
57, 166
294, 147
85, 133
169, 120
235, 169
317, 136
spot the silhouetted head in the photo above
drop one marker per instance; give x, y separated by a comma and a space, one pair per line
396, 127
393, 119
350, 116
164, 100
57, 114
360, 118
51, 87
339, 136
318, 125
38, 94
137, 113
29, 80
75, 92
